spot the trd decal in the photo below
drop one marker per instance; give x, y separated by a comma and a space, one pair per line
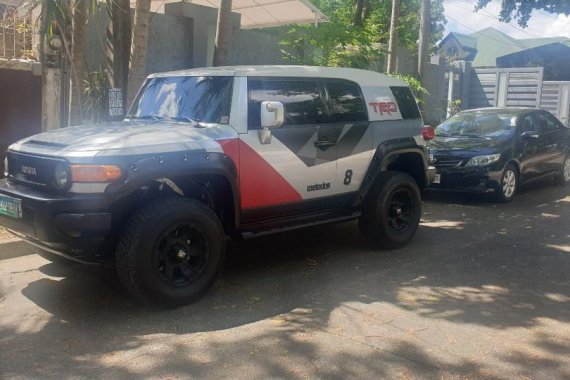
384, 107
319, 186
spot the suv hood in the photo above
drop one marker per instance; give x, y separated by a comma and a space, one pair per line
125, 138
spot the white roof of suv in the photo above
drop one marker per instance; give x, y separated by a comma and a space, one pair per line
362, 77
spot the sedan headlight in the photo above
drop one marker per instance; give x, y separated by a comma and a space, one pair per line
483, 160
61, 176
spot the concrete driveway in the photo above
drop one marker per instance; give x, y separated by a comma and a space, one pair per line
483, 291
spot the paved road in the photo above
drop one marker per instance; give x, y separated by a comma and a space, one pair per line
482, 292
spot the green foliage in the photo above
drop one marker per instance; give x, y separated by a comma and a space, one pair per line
522, 9
454, 106
95, 89
343, 41
415, 85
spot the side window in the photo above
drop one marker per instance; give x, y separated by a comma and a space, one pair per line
301, 98
406, 102
347, 101
547, 122
528, 124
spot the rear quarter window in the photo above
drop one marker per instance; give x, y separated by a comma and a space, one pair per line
406, 102
347, 102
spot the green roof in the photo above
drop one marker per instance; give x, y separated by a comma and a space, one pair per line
491, 44
464, 40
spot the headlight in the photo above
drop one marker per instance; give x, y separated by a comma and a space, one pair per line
6, 167
61, 176
483, 160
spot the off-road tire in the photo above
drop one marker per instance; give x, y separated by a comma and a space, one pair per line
506, 193
379, 210
138, 249
563, 178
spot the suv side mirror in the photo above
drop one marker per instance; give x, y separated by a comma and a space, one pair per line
272, 116
529, 135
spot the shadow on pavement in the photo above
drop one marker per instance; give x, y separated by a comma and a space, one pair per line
493, 266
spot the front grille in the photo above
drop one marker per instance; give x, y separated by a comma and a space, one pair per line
447, 163
32, 170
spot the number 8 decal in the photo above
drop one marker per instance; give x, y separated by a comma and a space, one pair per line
348, 177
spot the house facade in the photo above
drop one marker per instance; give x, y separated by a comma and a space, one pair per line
490, 48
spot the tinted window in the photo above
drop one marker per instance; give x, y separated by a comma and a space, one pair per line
547, 122
346, 100
406, 102
528, 124
205, 99
301, 99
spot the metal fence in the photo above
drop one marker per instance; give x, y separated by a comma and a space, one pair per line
555, 98
16, 33
513, 87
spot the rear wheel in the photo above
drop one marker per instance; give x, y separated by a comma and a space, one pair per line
564, 176
171, 251
509, 185
391, 212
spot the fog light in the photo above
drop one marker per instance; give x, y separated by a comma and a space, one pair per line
61, 176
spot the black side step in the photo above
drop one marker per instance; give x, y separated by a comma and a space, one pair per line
267, 228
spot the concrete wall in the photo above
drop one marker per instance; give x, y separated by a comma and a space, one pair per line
203, 30
255, 47
169, 44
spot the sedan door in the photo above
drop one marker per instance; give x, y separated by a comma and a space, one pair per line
530, 147
555, 138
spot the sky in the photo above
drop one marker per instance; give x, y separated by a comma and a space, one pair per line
462, 19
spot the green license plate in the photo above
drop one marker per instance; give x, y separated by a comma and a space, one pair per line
11, 207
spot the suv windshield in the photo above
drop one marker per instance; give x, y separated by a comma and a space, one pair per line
493, 125
193, 99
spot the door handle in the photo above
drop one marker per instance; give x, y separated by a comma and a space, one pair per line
325, 143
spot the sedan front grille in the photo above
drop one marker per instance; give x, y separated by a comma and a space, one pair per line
447, 163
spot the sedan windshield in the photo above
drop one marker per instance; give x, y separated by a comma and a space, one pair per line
494, 125
186, 98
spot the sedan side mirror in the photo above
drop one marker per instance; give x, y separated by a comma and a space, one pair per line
529, 135
272, 116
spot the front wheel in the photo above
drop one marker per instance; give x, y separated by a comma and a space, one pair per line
509, 185
170, 251
391, 211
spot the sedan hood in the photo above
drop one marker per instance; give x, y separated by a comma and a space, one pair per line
124, 137
465, 146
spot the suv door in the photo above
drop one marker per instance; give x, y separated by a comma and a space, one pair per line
349, 125
291, 167
555, 137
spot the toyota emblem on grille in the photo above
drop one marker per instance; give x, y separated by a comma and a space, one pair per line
29, 170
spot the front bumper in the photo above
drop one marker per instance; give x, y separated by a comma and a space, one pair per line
75, 226
467, 179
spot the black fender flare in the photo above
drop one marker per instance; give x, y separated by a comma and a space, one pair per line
382, 155
139, 171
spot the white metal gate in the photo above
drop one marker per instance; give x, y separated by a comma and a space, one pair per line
555, 98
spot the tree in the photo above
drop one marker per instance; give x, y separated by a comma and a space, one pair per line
393, 43
223, 33
340, 42
522, 9
77, 61
118, 45
424, 36
139, 42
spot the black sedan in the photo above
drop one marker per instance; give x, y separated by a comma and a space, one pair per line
496, 150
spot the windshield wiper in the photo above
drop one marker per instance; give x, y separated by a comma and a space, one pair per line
144, 117
443, 134
474, 136
195, 122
